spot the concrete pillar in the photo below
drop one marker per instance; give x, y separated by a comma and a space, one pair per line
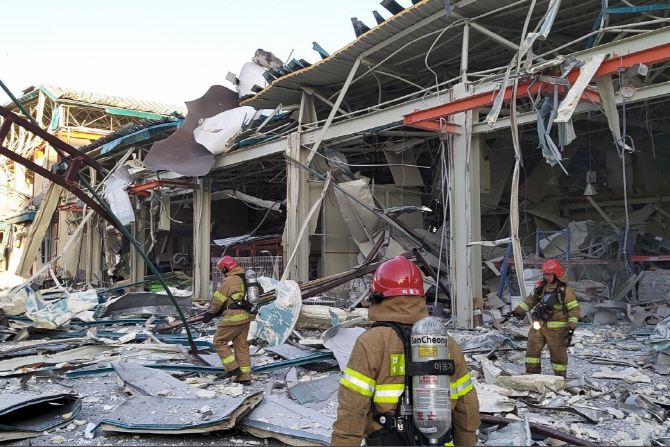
465, 216
202, 218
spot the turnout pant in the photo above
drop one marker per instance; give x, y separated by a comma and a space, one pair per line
554, 338
241, 358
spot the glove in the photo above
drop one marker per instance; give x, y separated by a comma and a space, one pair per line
518, 315
572, 327
568, 337
207, 317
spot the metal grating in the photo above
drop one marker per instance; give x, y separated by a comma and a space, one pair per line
325, 301
270, 266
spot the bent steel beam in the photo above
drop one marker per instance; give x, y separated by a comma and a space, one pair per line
51, 139
59, 181
609, 67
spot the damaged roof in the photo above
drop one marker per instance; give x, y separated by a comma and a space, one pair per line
405, 38
97, 99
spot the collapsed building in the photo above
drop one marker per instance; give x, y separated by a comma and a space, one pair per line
443, 133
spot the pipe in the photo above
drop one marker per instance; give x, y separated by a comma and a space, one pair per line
431, 272
537, 428
118, 224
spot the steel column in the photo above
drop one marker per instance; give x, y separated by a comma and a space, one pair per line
459, 210
202, 218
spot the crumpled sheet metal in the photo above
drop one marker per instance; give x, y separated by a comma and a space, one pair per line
29, 415
643, 407
515, 433
488, 341
56, 314
60, 357
214, 133
143, 303
180, 152
276, 321
313, 393
491, 401
117, 197
359, 220
341, 342
163, 415
662, 330
145, 381
288, 352
291, 423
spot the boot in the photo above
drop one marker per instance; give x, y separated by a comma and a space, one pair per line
233, 373
244, 379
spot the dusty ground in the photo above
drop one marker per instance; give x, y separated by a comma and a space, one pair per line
102, 393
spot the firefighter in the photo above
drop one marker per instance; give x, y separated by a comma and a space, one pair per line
554, 326
374, 379
235, 322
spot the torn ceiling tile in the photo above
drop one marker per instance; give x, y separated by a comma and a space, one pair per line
53, 314
180, 152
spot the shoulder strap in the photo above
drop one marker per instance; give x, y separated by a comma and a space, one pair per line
561, 294
243, 277
404, 335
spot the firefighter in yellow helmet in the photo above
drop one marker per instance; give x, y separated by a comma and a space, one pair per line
235, 322
373, 383
554, 313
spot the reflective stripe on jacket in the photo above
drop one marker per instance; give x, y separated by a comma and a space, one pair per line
231, 290
375, 375
560, 319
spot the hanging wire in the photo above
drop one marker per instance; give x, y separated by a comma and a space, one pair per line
444, 193
622, 154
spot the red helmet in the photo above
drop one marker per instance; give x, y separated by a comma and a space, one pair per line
553, 266
397, 276
226, 264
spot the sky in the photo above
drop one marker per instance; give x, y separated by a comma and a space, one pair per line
164, 51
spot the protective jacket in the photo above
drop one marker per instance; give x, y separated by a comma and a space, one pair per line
554, 331
566, 309
228, 297
375, 375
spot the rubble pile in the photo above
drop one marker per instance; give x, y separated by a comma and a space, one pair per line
110, 369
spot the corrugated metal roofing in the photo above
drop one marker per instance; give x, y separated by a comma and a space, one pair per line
114, 101
575, 19
336, 68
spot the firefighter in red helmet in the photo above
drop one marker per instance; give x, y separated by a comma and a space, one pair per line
373, 383
554, 313
235, 321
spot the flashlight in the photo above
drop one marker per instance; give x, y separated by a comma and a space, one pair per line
537, 325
